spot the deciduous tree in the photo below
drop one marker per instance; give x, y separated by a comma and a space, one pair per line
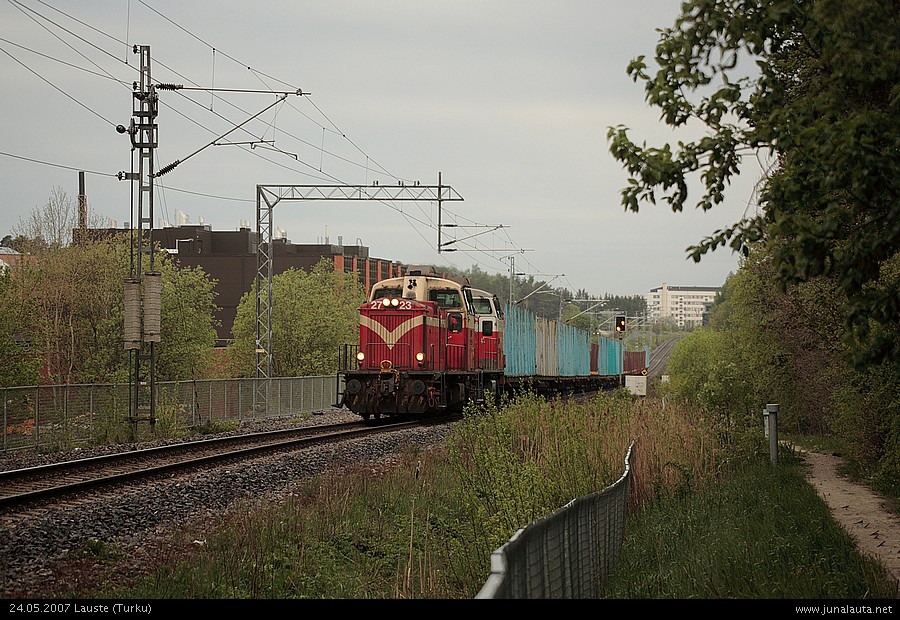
51, 225
823, 97
313, 315
72, 298
19, 362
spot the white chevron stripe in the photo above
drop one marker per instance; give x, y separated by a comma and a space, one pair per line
390, 337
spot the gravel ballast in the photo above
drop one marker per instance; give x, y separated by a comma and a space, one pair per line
36, 554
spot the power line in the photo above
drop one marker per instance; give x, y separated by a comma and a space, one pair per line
51, 84
68, 64
47, 163
370, 164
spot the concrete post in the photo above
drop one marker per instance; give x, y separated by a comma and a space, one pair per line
772, 409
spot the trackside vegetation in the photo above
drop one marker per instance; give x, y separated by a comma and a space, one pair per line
313, 313
62, 316
762, 533
710, 516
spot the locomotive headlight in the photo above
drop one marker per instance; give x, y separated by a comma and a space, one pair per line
420, 357
360, 356
385, 302
395, 302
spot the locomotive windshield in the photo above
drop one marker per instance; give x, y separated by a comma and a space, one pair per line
482, 305
386, 292
445, 298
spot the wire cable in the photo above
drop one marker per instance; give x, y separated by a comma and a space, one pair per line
369, 165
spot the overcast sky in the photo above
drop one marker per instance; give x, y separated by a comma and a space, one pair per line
509, 101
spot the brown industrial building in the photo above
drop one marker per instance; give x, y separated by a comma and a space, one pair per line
229, 257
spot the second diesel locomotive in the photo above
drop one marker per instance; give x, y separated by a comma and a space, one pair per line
429, 343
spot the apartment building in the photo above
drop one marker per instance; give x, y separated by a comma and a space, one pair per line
688, 306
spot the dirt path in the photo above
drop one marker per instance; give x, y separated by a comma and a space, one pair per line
859, 510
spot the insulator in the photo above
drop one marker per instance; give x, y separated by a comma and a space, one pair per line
152, 306
169, 86
168, 168
132, 299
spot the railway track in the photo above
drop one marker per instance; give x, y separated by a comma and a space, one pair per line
22, 490
660, 357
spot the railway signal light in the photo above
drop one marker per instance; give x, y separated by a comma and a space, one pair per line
620, 324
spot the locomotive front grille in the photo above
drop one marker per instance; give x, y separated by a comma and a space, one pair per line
400, 355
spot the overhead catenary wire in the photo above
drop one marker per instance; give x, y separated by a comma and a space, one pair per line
61, 91
398, 209
368, 159
104, 75
249, 68
298, 164
24, 8
168, 168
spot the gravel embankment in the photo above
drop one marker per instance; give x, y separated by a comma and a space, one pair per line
36, 556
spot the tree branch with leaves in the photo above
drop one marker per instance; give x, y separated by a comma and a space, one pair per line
823, 98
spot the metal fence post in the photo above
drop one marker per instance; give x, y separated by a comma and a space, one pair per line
37, 416
65, 422
772, 409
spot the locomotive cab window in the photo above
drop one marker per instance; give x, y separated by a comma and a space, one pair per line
454, 322
445, 298
487, 328
482, 305
386, 292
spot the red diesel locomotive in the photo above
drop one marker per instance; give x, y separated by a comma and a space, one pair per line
427, 343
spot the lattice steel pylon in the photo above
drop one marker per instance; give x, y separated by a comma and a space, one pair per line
143, 287
267, 196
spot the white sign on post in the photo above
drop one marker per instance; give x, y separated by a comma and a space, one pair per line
636, 384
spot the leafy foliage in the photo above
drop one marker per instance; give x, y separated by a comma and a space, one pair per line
70, 302
824, 99
867, 416
786, 341
707, 370
188, 323
313, 315
784, 344
18, 362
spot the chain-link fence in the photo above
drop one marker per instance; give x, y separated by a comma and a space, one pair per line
568, 554
53, 417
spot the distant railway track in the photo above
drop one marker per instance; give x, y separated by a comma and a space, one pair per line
22, 490
660, 358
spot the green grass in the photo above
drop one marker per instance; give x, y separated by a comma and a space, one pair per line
713, 518
814, 443
762, 534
